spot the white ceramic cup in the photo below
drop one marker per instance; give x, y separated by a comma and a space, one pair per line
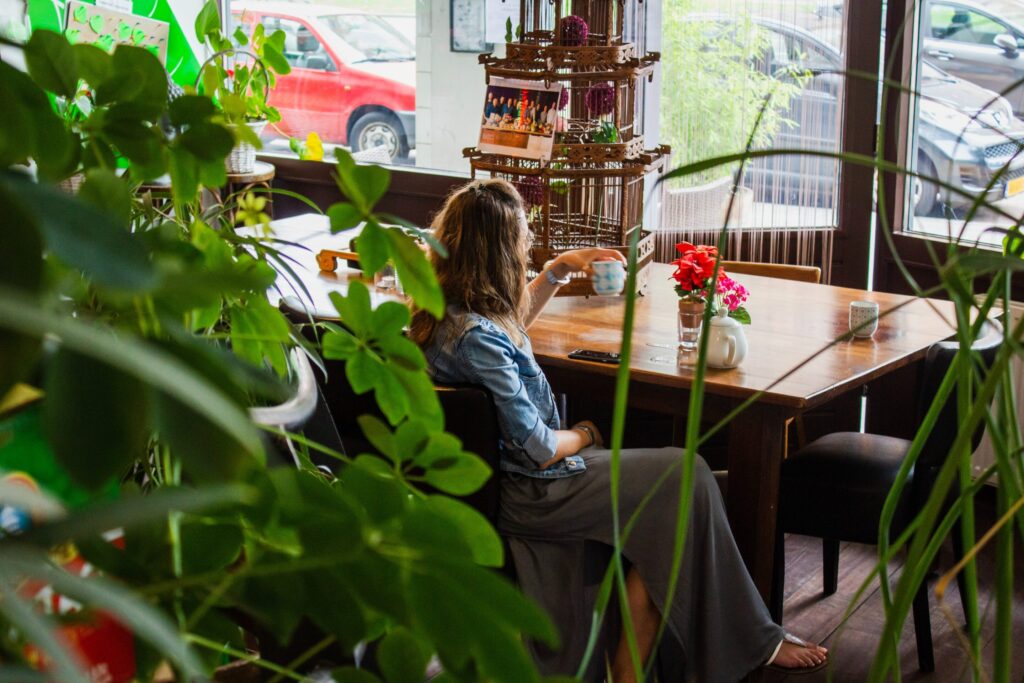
863, 318
609, 277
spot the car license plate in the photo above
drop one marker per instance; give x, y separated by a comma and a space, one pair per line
1015, 186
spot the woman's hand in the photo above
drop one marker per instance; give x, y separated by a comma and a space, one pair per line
589, 428
580, 259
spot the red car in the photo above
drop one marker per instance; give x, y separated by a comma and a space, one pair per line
353, 78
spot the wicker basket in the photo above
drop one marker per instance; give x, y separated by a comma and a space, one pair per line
243, 157
72, 184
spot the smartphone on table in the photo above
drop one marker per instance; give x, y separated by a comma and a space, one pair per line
595, 356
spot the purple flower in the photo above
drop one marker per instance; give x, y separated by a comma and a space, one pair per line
573, 31
563, 99
600, 99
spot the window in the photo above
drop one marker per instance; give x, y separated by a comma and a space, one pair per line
954, 22
724, 62
966, 128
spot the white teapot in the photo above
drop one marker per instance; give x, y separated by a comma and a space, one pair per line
727, 343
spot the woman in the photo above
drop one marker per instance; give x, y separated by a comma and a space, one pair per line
555, 482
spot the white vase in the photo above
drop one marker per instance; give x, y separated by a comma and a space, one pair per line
243, 157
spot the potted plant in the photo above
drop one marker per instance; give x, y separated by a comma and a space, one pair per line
239, 75
159, 341
695, 269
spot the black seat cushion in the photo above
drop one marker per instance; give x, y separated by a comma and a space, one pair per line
835, 487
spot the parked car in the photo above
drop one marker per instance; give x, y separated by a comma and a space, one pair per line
965, 133
972, 43
403, 23
353, 78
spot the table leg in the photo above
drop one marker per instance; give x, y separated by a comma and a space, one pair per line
756, 444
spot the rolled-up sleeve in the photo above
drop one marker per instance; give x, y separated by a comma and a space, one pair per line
490, 360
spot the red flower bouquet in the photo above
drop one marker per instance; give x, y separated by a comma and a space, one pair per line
694, 270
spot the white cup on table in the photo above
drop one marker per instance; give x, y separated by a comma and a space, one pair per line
863, 318
609, 277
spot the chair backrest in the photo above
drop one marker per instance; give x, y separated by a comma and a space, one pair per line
470, 415
937, 363
783, 271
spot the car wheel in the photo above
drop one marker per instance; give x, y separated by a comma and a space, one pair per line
926, 192
378, 129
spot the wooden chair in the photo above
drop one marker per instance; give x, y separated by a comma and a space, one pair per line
835, 487
783, 271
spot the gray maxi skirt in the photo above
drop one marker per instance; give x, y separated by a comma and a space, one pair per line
717, 621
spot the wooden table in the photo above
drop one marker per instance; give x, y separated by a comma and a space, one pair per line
792, 321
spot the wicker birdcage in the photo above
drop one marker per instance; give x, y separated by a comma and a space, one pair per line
541, 20
589, 193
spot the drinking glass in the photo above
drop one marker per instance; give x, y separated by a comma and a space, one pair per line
691, 316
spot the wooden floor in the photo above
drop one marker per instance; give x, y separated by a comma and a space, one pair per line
812, 616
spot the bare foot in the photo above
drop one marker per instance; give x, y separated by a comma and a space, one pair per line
794, 656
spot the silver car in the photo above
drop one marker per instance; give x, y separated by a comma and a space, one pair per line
976, 45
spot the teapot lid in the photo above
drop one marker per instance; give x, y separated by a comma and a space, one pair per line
721, 318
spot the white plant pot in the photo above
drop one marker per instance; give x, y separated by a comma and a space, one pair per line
243, 157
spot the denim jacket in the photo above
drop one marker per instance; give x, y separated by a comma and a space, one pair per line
470, 349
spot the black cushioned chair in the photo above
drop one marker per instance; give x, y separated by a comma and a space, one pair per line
836, 486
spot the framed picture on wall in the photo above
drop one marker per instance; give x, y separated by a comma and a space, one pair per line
468, 26
520, 118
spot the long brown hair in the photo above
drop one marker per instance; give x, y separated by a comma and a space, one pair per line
485, 270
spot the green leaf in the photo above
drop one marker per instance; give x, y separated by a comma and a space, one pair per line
235, 107
378, 434
52, 62
390, 318
460, 474
373, 246
208, 21
474, 527
207, 141
415, 272
139, 511
259, 331
354, 308
332, 607
402, 658
402, 352
344, 216
104, 190
93, 63
190, 109
85, 237
741, 314
96, 417
391, 396
339, 345
364, 372
240, 36
373, 182
422, 395
184, 170
274, 58
21, 269
135, 76
369, 482
209, 545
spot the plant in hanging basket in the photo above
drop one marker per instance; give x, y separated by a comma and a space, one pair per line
573, 31
240, 73
600, 99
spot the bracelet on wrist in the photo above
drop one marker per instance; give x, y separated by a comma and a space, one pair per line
588, 431
553, 279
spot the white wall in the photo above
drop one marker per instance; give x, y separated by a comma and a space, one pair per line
449, 92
